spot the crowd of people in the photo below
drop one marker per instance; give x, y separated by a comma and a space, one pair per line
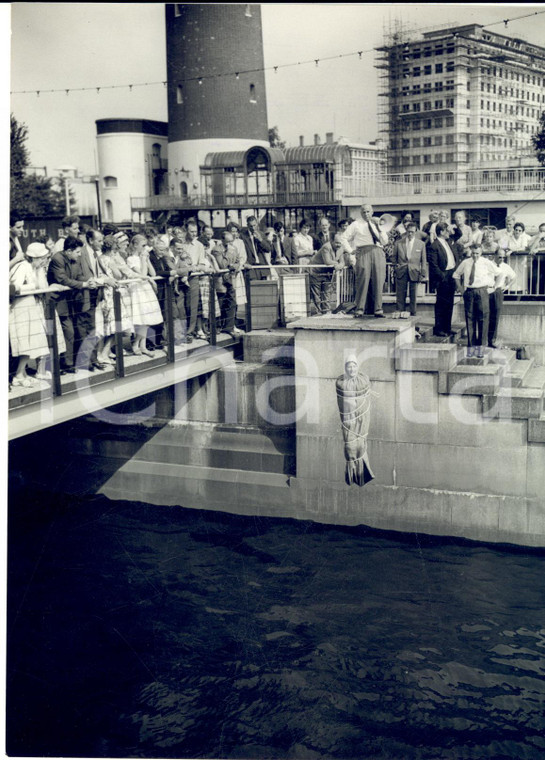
165, 280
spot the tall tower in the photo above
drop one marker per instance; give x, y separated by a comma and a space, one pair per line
216, 86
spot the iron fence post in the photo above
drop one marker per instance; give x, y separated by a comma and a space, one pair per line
50, 313
212, 308
169, 317
119, 364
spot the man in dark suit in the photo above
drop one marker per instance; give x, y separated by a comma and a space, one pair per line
72, 305
443, 258
93, 271
257, 248
409, 258
324, 234
281, 244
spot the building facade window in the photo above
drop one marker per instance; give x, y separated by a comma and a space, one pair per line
110, 181
179, 94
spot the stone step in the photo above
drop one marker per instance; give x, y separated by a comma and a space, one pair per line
198, 444
471, 380
458, 332
270, 347
426, 357
227, 454
517, 371
536, 430
535, 378
473, 361
205, 488
514, 403
504, 356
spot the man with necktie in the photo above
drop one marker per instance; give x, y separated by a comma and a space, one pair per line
410, 268
325, 235
93, 272
473, 278
366, 240
72, 305
443, 258
256, 249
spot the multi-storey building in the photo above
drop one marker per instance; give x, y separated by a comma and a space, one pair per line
458, 99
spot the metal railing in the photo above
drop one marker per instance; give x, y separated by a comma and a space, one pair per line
63, 348
432, 182
166, 202
175, 315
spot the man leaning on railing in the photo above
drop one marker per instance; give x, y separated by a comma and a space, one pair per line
73, 305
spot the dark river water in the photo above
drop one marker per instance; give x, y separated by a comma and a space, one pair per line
140, 631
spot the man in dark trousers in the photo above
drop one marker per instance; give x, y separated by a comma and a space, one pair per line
257, 248
92, 270
72, 305
443, 258
409, 260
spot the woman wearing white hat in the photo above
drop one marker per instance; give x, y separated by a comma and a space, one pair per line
27, 326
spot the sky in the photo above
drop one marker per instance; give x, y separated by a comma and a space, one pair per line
70, 45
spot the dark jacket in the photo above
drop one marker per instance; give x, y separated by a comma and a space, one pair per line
437, 260
65, 272
262, 246
320, 239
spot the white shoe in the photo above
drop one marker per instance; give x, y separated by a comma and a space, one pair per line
396, 315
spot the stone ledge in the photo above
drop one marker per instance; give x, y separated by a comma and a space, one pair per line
365, 324
514, 403
473, 380
536, 430
426, 357
517, 371
535, 378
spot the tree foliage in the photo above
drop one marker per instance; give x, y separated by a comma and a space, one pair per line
538, 140
29, 195
274, 138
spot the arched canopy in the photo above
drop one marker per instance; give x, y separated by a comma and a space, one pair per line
317, 154
257, 156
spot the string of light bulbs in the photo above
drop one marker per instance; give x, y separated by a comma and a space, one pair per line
201, 78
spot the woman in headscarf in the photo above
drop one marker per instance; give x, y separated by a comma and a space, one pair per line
354, 402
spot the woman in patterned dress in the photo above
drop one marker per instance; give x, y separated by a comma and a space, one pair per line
146, 311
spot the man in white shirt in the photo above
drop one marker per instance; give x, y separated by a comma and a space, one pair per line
502, 282
474, 278
462, 230
70, 226
188, 300
365, 238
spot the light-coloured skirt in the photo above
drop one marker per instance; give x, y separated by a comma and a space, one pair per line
144, 304
27, 328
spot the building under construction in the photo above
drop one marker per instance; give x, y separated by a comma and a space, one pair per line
458, 99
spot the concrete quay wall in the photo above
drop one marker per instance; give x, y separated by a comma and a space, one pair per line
442, 465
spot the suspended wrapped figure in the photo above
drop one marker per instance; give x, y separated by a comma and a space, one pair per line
354, 401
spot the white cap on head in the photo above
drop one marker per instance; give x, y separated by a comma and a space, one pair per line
36, 250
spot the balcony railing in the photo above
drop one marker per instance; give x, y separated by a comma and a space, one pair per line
235, 200
439, 183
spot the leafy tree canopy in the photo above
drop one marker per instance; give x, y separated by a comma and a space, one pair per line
274, 138
29, 195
